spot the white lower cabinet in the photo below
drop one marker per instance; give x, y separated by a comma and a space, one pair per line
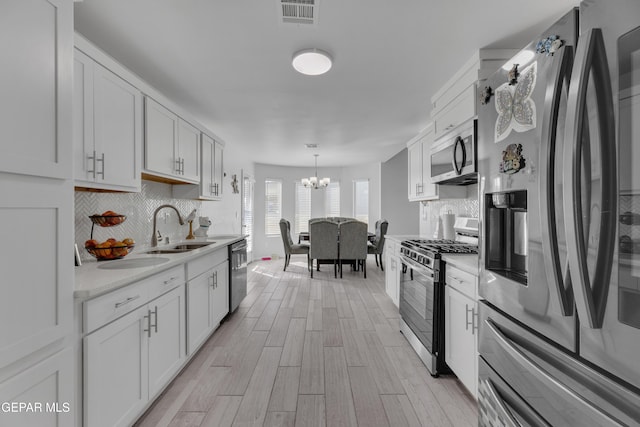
45, 388
392, 270
128, 361
461, 327
207, 296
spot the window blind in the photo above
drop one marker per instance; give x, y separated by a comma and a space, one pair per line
361, 200
303, 208
273, 207
332, 199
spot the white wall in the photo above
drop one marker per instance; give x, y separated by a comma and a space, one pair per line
402, 215
272, 245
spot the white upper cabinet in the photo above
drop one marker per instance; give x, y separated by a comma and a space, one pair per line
212, 163
189, 150
172, 145
455, 103
107, 128
36, 87
210, 187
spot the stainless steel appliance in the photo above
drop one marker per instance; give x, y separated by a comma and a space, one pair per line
237, 273
422, 297
560, 347
453, 157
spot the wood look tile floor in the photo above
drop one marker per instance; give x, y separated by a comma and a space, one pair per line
311, 352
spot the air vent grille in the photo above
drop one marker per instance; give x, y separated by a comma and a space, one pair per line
299, 11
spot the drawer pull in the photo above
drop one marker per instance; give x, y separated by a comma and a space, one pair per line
127, 301
166, 282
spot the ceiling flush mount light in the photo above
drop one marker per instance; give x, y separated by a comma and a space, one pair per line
311, 62
314, 182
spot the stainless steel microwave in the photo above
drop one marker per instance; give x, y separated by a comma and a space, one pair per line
454, 157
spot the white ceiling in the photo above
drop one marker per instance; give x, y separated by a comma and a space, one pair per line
229, 63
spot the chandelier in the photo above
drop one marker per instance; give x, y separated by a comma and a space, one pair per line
314, 182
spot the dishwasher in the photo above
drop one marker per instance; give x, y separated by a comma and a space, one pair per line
237, 273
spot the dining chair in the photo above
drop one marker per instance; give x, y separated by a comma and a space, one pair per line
353, 244
323, 241
377, 246
289, 246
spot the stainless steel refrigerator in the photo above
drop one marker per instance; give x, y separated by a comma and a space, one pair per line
559, 175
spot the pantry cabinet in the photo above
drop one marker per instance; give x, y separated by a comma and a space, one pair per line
461, 326
107, 135
207, 296
172, 145
419, 172
127, 361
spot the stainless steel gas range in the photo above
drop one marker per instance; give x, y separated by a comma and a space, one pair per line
422, 297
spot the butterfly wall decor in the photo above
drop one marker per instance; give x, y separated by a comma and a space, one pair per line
516, 110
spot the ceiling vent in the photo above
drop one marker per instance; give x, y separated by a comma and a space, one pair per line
299, 12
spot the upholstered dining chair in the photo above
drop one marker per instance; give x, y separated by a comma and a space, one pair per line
323, 240
353, 244
289, 246
377, 246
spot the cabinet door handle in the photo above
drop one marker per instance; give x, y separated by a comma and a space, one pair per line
155, 316
215, 280
474, 317
148, 317
211, 280
178, 166
182, 165
101, 160
93, 159
126, 301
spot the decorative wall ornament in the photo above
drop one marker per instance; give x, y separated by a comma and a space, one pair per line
485, 95
516, 110
512, 160
234, 184
513, 75
549, 45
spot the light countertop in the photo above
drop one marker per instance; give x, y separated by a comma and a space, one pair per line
93, 279
465, 262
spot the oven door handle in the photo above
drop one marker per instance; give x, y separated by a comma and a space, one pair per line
425, 271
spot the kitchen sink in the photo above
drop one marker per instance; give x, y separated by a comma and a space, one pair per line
167, 251
225, 236
183, 247
191, 246
132, 263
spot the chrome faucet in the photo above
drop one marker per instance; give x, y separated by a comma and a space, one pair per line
154, 236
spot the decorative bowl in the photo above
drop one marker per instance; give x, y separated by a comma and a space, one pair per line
111, 252
108, 220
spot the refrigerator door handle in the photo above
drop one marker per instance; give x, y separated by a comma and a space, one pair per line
519, 357
590, 292
560, 72
487, 388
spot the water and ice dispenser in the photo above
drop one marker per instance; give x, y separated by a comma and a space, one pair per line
506, 242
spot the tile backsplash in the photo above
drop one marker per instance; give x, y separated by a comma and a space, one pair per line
431, 211
139, 208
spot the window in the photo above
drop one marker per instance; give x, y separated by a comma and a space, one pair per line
332, 199
303, 208
361, 200
273, 207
